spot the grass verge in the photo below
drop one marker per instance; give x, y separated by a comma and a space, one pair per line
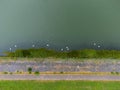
59, 85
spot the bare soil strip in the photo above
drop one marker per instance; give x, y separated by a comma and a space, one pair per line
61, 77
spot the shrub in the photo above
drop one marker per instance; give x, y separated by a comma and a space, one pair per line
5, 72
11, 73
30, 70
112, 73
37, 72
17, 71
54, 72
61, 72
117, 73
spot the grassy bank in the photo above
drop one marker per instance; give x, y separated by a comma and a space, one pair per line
59, 85
45, 53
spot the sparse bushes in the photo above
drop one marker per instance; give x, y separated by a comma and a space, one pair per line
112, 72
115, 73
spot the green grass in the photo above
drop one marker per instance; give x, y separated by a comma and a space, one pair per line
45, 53
59, 85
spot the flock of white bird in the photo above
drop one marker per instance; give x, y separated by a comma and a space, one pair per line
62, 49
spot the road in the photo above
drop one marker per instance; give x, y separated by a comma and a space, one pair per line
60, 77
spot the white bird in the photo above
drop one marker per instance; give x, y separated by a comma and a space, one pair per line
99, 46
15, 46
47, 45
94, 44
67, 47
10, 49
33, 45
62, 49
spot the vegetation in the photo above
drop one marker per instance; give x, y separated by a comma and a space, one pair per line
5, 72
30, 70
37, 72
115, 73
61, 72
44, 53
59, 85
11, 73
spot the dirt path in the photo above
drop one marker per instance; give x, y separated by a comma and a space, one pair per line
59, 77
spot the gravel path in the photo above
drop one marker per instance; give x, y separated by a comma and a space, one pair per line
59, 77
61, 66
